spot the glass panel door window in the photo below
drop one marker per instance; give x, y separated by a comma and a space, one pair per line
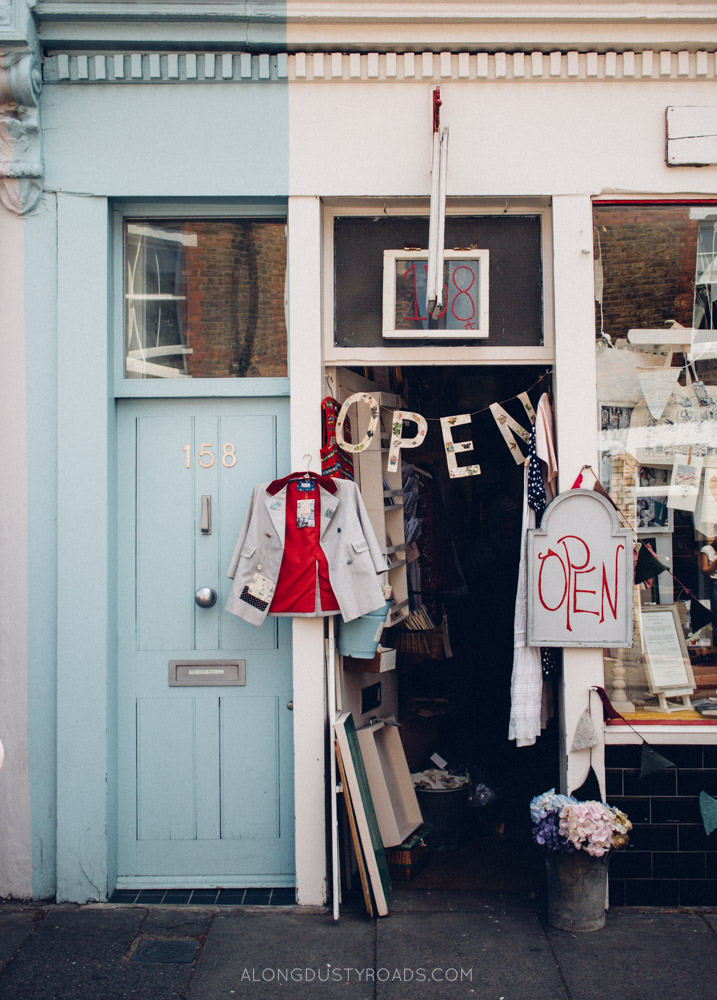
205, 298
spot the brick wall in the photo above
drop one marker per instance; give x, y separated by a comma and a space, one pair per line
670, 861
234, 283
648, 258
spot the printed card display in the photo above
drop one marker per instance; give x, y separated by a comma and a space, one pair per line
685, 482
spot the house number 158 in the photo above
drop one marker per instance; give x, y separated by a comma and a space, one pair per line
206, 455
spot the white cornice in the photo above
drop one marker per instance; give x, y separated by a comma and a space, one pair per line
320, 67
395, 25
377, 11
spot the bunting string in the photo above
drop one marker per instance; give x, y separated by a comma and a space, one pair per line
502, 402
683, 588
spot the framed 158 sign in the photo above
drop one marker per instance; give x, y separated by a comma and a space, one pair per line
465, 295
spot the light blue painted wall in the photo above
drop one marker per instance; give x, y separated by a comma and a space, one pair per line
170, 140
102, 143
41, 354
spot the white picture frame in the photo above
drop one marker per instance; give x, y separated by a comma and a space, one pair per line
667, 660
685, 482
465, 314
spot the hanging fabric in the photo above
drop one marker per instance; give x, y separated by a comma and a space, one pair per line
526, 686
529, 709
334, 462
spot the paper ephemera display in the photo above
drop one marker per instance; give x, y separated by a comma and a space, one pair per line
685, 482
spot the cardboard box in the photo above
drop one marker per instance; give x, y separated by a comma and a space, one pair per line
384, 660
394, 798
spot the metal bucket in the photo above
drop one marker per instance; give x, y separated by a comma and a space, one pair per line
443, 811
577, 890
360, 637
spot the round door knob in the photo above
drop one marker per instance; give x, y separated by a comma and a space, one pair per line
205, 597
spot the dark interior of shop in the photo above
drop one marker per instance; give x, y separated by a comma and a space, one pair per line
459, 706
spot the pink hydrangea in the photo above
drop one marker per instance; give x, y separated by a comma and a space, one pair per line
588, 826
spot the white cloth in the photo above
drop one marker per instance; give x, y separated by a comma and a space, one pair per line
527, 707
545, 446
709, 551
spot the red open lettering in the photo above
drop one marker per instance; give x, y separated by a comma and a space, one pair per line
558, 590
605, 590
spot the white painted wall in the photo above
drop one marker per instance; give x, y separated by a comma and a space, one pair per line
310, 744
512, 138
15, 843
575, 387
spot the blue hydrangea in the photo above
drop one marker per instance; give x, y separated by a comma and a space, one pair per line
546, 832
549, 802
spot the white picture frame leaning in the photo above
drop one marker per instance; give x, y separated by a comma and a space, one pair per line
465, 314
667, 660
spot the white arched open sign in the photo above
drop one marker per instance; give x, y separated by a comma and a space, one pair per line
580, 574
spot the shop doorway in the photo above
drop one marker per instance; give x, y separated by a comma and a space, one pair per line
458, 706
205, 732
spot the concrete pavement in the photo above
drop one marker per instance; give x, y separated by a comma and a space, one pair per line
481, 946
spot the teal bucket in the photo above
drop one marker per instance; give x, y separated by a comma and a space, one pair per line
360, 637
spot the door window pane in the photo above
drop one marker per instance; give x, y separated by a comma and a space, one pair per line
205, 298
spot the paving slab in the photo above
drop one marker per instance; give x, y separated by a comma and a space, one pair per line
16, 926
669, 955
261, 955
447, 901
177, 922
446, 956
83, 954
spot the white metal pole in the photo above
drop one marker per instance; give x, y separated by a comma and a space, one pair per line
431, 281
331, 699
442, 181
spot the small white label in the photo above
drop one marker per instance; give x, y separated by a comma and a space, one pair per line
305, 516
438, 760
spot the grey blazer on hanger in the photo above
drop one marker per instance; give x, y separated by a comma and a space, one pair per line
347, 539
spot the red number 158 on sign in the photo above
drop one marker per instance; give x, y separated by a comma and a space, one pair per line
465, 295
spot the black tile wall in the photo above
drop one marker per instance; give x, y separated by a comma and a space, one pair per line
670, 860
652, 892
660, 783
654, 837
691, 782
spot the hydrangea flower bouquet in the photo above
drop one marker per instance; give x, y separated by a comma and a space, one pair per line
564, 824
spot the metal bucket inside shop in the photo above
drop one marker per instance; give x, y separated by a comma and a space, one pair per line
444, 812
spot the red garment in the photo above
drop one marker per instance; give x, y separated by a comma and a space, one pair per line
303, 561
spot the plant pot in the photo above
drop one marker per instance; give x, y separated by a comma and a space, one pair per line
577, 890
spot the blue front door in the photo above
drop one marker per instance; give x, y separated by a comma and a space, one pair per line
205, 781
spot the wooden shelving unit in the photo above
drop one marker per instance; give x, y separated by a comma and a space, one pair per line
378, 486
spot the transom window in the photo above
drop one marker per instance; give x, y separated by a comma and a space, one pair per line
205, 298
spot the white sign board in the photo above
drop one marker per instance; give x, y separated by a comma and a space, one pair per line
691, 136
580, 574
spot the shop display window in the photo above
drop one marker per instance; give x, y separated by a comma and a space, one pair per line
656, 342
205, 298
